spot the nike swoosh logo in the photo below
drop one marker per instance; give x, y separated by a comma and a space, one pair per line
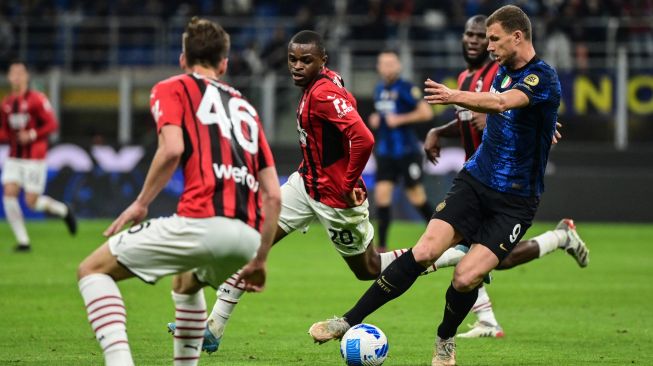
190, 346
388, 283
503, 247
331, 97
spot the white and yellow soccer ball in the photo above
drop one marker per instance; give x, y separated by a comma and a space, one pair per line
364, 345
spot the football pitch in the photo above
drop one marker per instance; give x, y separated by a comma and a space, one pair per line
553, 312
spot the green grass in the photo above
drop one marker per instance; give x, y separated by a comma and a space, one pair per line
553, 312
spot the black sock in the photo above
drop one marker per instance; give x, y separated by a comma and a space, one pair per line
394, 281
383, 223
426, 210
458, 304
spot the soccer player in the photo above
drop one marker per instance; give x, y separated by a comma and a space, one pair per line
398, 104
227, 213
494, 198
26, 120
469, 126
335, 146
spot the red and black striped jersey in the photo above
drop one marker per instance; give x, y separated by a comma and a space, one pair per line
224, 146
335, 141
28, 111
477, 81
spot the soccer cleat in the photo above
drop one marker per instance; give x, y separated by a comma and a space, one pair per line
23, 248
71, 221
482, 329
444, 353
574, 246
327, 330
210, 344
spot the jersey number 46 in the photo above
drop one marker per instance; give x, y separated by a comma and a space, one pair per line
212, 111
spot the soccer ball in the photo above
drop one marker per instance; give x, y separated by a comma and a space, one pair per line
364, 345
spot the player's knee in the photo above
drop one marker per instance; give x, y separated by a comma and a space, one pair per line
465, 281
31, 201
185, 283
84, 269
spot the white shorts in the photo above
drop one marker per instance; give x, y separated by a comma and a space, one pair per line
27, 173
349, 229
213, 248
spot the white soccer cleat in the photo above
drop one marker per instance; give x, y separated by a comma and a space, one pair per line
329, 329
444, 353
575, 246
482, 329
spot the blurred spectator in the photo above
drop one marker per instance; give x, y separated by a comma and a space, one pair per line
275, 52
558, 48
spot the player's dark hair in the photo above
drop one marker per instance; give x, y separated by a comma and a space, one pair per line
17, 61
480, 18
511, 18
206, 43
390, 50
309, 37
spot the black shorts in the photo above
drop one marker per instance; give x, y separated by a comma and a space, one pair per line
484, 216
409, 168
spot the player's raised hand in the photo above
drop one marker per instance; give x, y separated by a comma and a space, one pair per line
356, 197
556, 134
253, 276
374, 121
133, 214
392, 120
432, 146
436, 93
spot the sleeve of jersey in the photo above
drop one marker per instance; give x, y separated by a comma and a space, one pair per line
166, 105
535, 86
264, 157
48, 120
4, 134
412, 95
336, 108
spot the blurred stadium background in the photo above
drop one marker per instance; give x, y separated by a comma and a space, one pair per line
98, 60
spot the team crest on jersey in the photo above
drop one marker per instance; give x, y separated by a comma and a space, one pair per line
440, 206
505, 82
416, 92
532, 80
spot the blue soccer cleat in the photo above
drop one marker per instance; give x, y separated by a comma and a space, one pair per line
211, 343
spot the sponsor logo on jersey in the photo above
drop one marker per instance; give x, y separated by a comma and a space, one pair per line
18, 121
531, 80
240, 175
440, 206
505, 82
342, 108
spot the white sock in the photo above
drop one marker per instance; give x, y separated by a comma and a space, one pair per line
15, 217
389, 257
483, 308
550, 241
190, 317
449, 258
51, 206
228, 297
108, 318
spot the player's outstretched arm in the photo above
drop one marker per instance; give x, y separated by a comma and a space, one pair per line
164, 163
484, 102
253, 274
